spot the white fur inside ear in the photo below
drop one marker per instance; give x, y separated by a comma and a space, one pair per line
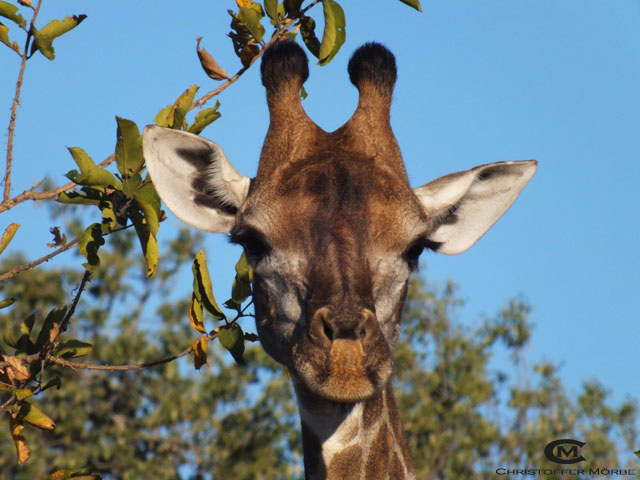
465, 205
194, 178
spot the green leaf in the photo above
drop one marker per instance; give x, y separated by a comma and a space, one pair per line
202, 287
271, 8
7, 302
43, 38
89, 244
196, 315
241, 289
232, 338
131, 184
27, 325
22, 393
303, 93
251, 19
36, 417
147, 240
128, 147
308, 32
4, 38
9, 339
7, 236
82, 474
109, 220
181, 107
54, 382
162, 118
90, 174
413, 3
24, 343
334, 31
55, 316
204, 118
149, 201
292, 7
200, 351
251, 337
11, 12
73, 348
92, 197
173, 116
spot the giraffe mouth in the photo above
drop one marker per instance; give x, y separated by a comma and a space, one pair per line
342, 372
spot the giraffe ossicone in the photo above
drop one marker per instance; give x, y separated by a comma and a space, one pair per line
332, 230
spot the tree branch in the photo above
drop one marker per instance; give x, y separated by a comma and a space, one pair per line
276, 36
72, 309
140, 366
32, 195
14, 106
17, 52
286, 24
27, 266
67, 246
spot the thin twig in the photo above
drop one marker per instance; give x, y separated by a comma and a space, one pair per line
72, 309
35, 263
32, 195
286, 24
276, 36
17, 52
14, 106
140, 366
311, 5
27, 266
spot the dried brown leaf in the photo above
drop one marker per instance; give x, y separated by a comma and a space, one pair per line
59, 239
209, 65
54, 332
16, 425
200, 351
17, 368
247, 54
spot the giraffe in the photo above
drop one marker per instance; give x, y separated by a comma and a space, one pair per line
332, 230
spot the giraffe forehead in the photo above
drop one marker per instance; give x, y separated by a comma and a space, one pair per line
351, 202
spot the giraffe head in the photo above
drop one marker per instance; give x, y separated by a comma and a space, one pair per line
330, 224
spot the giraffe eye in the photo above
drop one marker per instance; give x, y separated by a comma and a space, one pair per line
412, 254
255, 247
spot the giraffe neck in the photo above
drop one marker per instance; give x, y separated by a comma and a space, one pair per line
360, 441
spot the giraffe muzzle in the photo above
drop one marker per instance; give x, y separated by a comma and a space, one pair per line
327, 328
347, 367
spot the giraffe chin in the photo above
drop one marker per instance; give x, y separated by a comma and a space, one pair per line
344, 377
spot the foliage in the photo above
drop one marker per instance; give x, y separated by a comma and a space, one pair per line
213, 421
126, 198
464, 419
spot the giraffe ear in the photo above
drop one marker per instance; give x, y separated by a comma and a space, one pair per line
466, 204
194, 178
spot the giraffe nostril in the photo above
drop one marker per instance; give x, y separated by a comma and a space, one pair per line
320, 328
328, 331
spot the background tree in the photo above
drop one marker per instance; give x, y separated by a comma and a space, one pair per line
464, 417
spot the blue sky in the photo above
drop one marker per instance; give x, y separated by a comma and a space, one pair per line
478, 82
